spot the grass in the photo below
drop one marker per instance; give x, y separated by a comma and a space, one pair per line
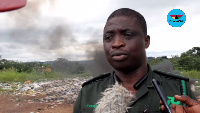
154, 61
191, 74
85, 75
11, 75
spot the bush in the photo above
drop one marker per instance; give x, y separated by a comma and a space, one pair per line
191, 74
12, 75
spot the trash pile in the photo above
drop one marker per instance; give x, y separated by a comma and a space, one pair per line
59, 91
56, 92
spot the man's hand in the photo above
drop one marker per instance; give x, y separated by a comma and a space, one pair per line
192, 105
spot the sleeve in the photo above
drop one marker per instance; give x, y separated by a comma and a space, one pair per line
77, 106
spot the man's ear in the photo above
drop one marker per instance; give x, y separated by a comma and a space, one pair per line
147, 41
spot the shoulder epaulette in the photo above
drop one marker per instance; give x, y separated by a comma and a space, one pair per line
102, 76
176, 76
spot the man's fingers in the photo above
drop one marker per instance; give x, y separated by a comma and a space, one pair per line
173, 108
187, 100
192, 105
161, 102
162, 107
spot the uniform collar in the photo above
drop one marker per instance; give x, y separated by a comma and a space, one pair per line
147, 78
151, 76
108, 81
146, 84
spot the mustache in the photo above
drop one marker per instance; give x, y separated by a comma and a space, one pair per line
118, 52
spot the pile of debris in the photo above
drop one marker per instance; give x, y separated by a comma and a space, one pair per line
58, 91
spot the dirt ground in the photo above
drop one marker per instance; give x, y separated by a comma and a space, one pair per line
28, 104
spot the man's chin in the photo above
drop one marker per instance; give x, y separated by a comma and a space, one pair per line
125, 68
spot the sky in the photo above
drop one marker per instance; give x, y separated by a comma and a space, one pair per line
45, 30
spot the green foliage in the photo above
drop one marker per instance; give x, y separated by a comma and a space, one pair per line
12, 75
11, 71
82, 75
154, 61
64, 66
35, 76
188, 60
19, 66
195, 51
174, 61
191, 74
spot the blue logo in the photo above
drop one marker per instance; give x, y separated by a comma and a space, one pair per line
176, 18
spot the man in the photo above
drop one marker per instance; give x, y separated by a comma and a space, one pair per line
129, 88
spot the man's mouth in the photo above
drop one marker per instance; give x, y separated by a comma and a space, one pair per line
119, 56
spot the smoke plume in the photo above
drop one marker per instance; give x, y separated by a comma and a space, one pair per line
37, 32
167, 66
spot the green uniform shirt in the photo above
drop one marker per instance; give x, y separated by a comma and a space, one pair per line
146, 98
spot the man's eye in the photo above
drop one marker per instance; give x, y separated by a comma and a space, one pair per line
107, 37
129, 34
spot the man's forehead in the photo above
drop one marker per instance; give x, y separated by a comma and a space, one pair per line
122, 19
121, 22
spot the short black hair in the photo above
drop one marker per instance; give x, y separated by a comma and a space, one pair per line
132, 14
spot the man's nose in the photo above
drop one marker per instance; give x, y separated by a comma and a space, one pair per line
118, 43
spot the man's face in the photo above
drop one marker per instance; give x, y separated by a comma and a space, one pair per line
124, 43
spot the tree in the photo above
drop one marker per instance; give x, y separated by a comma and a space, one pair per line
190, 59
19, 66
65, 66
195, 51
174, 59
60, 65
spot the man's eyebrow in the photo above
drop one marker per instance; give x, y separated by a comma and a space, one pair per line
130, 30
121, 30
109, 31
127, 29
